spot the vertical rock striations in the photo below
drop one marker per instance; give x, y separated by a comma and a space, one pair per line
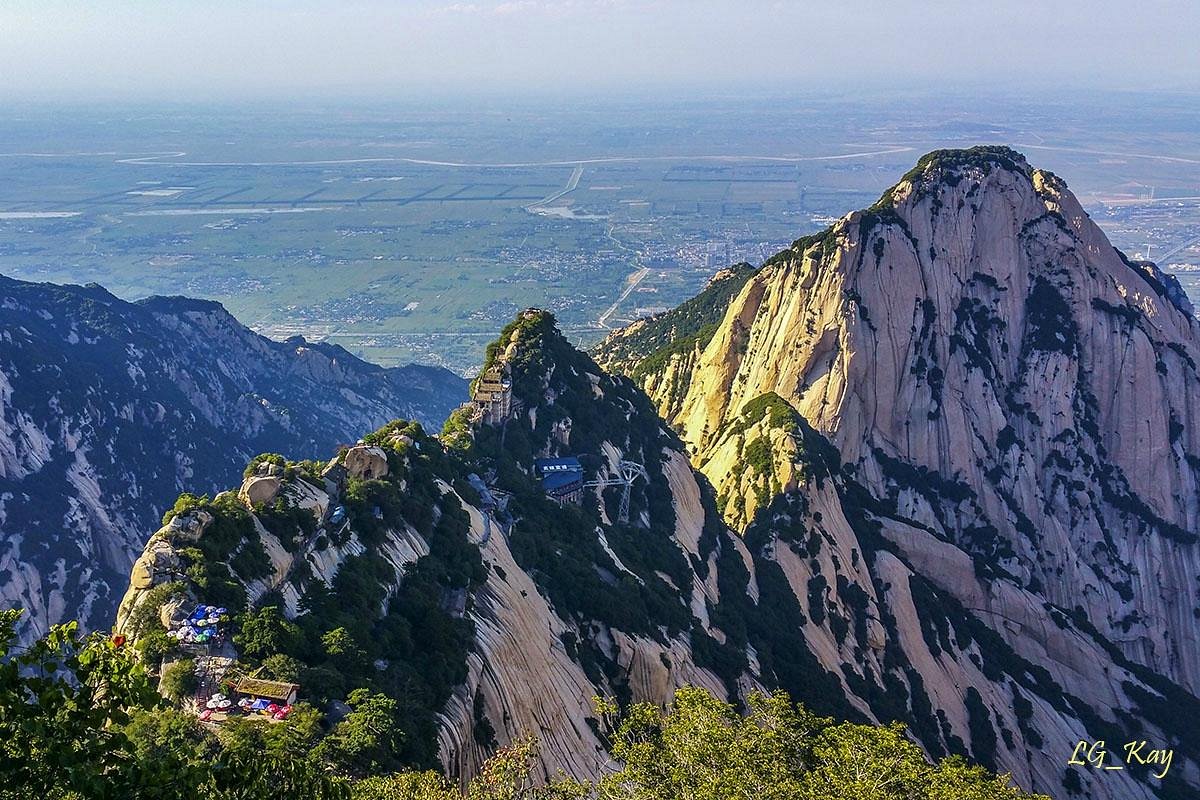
1017, 405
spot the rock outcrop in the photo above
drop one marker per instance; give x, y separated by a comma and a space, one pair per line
260, 489
365, 462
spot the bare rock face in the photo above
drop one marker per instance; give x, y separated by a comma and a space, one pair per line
759, 457
174, 612
152, 566
1017, 404
365, 462
159, 562
985, 331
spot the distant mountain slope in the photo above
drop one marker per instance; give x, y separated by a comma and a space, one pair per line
109, 409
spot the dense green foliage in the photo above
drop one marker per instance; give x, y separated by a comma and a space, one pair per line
368, 740
372, 636
230, 549
508, 775
80, 720
704, 749
364, 633
287, 522
263, 633
179, 679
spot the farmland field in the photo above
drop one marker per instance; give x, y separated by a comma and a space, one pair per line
413, 232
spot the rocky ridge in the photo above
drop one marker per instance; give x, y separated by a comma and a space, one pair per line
557, 604
109, 409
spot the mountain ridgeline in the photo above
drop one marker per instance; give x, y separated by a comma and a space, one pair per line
1018, 403
935, 464
109, 409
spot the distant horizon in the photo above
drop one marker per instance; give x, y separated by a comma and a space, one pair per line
969, 98
66, 51
570, 98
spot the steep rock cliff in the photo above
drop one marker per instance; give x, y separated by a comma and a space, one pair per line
1016, 403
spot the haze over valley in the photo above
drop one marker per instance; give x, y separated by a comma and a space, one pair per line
409, 231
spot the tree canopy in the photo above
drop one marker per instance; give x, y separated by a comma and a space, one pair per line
80, 719
703, 749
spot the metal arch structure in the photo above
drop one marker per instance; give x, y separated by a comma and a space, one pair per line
630, 471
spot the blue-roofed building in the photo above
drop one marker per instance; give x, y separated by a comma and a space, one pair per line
562, 478
545, 466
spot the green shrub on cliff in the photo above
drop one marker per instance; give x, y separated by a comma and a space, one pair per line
179, 679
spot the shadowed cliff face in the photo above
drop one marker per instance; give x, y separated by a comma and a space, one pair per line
109, 409
1015, 405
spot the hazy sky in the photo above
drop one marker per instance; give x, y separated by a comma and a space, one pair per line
221, 48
